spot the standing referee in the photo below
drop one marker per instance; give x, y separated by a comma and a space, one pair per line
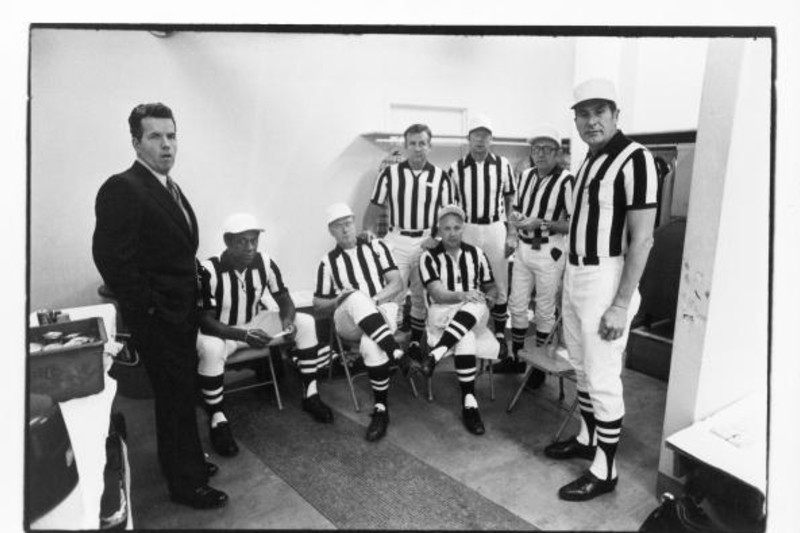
610, 236
483, 185
414, 190
537, 229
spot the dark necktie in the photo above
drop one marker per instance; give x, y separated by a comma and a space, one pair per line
176, 195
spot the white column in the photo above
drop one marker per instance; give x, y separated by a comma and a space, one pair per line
720, 345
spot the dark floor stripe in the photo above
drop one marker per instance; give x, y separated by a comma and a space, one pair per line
356, 484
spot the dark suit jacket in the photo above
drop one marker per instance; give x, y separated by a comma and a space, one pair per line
144, 249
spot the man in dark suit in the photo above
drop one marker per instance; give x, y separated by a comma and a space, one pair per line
144, 246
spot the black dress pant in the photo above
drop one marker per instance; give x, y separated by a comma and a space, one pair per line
169, 354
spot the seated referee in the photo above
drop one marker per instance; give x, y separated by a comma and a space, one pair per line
234, 317
461, 289
358, 283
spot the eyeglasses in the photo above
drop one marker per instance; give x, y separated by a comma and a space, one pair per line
546, 150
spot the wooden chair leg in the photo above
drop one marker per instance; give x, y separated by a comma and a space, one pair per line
491, 382
413, 386
343, 360
517, 394
350, 384
274, 382
566, 419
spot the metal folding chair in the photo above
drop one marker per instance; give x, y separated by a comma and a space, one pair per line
544, 358
253, 356
347, 353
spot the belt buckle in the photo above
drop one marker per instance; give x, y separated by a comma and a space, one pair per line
536, 243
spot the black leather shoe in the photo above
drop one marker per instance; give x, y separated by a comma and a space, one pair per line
472, 420
203, 497
427, 366
414, 352
317, 409
509, 365
377, 428
586, 487
222, 440
536, 379
211, 469
569, 449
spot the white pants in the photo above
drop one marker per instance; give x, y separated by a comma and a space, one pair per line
479, 341
214, 351
588, 292
347, 316
406, 252
536, 268
491, 238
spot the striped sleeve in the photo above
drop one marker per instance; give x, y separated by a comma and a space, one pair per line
485, 274
507, 178
428, 268
385, 260
564, 205
324, 288
208, 281
275, 279
641, 180
521, 183
381, 189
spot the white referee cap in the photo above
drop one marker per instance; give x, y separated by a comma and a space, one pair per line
479, 121
241, 222
337, 211
595, 89
545, 131
451, 209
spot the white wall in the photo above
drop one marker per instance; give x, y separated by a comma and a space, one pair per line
658, 80
267, 122
271, 122
665, 93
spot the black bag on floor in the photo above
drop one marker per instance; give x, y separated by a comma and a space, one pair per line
677, 515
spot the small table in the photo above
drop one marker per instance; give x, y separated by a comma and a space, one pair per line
732, 440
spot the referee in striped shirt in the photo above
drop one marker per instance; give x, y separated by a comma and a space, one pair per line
358, 283
537, 226
234, 317
483, 185
461, 289
610, 236
414, 190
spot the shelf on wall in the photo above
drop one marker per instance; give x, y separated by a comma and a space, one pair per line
667, 138
383, 138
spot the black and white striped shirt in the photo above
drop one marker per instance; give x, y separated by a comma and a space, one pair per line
468, 272
548, 197
414, 197
236, 296
361, 268
620, 178
481, 187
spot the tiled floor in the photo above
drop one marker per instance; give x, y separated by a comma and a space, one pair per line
506, 465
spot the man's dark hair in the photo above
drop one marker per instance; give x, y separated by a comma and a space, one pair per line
141, 111
417, 128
